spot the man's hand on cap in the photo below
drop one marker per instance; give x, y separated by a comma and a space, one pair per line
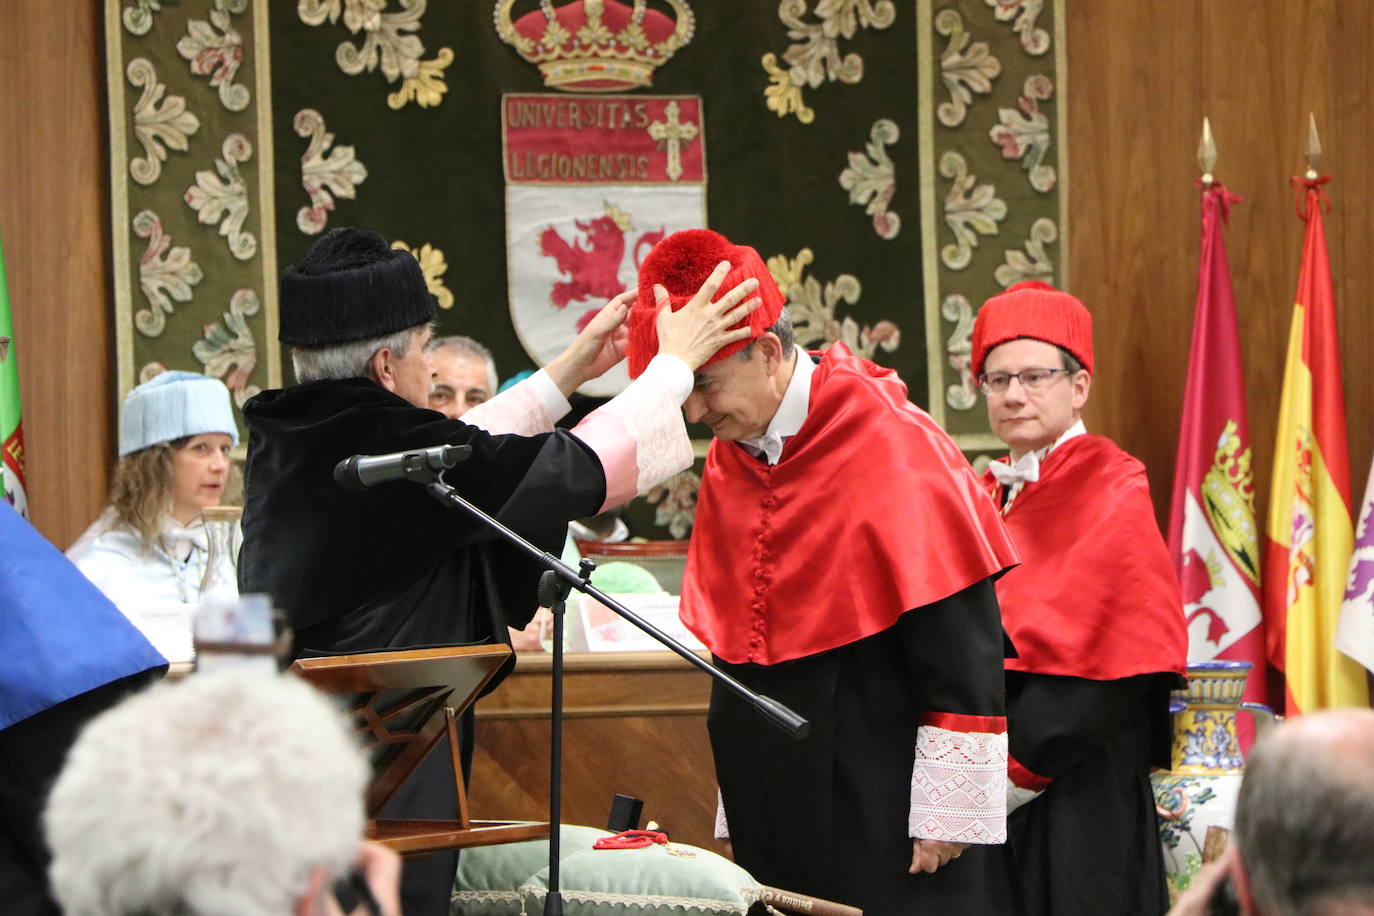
698, 330
599, 346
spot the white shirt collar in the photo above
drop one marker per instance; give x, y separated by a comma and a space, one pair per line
1078, 429
791, 413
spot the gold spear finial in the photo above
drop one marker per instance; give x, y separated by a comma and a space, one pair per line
1207, 154
1314, 148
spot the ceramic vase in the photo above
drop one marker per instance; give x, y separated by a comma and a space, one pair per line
1199, 789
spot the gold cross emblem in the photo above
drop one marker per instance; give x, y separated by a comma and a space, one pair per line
672, 133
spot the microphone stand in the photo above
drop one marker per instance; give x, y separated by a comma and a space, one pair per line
555, 583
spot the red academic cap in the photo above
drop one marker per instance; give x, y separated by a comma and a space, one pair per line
1038, 311
681, 263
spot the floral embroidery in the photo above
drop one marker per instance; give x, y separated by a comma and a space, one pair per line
1037, 266
138, 19
813, 309
164, 274
227, 350
967, 215
676, 501
427, 87
224, 199
384, 45
156, 122
1025, 134
150, 371
959, 352
784, 96
818, 60
339, 172
1034, 41
217, 55
433, 266
964, 69
871, 179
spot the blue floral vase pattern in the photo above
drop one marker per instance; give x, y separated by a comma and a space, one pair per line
1199, 789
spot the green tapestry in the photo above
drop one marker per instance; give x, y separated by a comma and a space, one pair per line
895, 163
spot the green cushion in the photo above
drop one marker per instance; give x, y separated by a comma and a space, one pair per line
620, 578
513, 879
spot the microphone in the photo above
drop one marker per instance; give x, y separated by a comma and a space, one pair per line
425, 464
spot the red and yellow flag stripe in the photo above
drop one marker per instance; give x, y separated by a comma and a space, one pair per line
1309, 535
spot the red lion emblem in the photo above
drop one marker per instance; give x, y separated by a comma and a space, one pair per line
593, 270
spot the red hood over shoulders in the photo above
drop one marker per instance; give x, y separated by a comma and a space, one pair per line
871, 511
1095, 595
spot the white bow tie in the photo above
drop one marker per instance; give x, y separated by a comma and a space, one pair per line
769, 446
1025, 469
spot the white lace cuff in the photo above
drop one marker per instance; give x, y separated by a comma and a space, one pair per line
722, 827
640, 435
958, 782
527, 408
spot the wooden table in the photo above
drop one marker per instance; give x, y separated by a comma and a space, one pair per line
634, 723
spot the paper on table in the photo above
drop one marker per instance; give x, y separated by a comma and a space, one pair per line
605, 631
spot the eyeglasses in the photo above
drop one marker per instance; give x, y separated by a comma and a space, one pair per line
1031, 379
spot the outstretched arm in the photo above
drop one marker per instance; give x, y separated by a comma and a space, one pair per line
693, 333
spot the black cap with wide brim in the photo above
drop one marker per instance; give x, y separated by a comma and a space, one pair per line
352, 286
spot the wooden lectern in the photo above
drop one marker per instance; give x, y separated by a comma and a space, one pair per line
401, 703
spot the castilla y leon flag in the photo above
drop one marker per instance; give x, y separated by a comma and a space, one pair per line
1355, 630
1308, 539
11, 429
1213, 536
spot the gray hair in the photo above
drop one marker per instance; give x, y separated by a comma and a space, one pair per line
347, 360
1305, 814
1070, 361
469, 347
220, 794
782, 327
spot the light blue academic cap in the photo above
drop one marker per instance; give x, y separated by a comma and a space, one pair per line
172, 405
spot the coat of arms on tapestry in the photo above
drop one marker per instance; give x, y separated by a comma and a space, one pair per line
895, 161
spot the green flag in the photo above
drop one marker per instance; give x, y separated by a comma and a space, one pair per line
11, 427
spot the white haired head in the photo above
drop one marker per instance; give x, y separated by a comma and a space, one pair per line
218, 795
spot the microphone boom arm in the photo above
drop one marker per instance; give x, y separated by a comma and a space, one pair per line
784, 718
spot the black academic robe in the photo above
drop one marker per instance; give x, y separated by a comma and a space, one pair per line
827, 815
1089, 844
390, 566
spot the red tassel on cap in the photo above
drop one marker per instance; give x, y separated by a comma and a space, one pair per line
680, 264
1038, 311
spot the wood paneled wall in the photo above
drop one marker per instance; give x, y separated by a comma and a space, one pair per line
54, 208
1142, 74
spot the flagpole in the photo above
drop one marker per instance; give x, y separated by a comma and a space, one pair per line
1207, 154
1314, 149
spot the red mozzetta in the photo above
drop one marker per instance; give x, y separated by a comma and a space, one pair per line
871, 511
1097, 596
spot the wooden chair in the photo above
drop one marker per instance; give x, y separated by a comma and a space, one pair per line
402, 703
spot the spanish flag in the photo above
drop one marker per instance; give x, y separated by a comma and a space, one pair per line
1309, 536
